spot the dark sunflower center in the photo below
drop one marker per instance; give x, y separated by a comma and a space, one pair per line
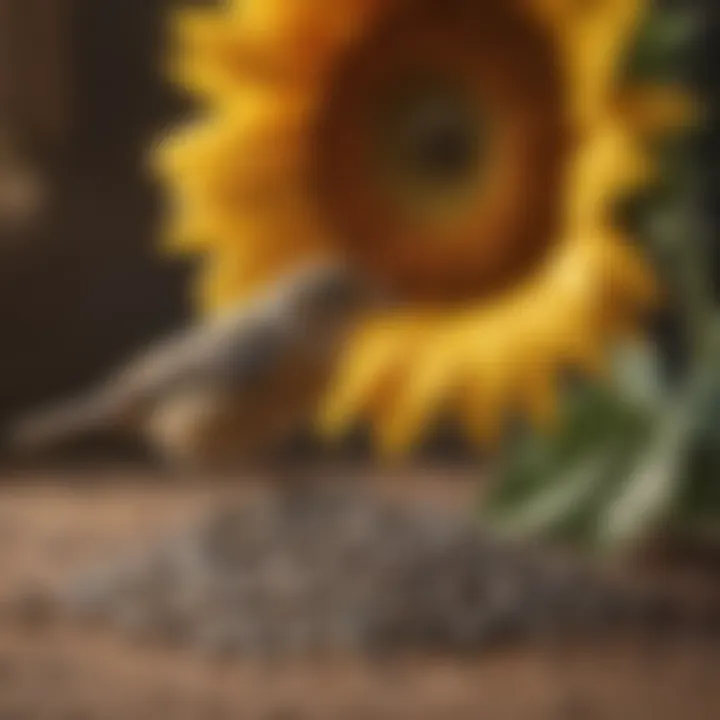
440, 149
430, 140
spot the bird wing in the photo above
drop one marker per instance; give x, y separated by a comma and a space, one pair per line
238, 350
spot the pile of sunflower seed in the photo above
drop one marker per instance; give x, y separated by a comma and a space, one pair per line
339, 569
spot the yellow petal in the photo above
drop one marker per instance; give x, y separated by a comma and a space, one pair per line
209, 54
658, 109
609, 165
308, 33
370, 366
421, 397
485, 398
627, 275
593, 36
260, 129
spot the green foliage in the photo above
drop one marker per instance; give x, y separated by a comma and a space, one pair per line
699, 506
607, 475
660, 49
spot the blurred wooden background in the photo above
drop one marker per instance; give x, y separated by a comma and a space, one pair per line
81, 86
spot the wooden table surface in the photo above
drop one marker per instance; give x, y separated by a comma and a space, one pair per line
52, 523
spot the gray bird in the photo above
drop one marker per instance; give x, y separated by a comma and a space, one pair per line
224, 390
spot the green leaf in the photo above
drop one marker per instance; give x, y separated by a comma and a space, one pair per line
700, 502
658, 479
554, 504
563, 486
557, 486
638, 376
662, 43
653, 484
532, 461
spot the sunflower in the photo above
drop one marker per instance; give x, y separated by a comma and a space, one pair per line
466, 153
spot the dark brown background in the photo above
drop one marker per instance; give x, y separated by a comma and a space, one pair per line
88, 288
